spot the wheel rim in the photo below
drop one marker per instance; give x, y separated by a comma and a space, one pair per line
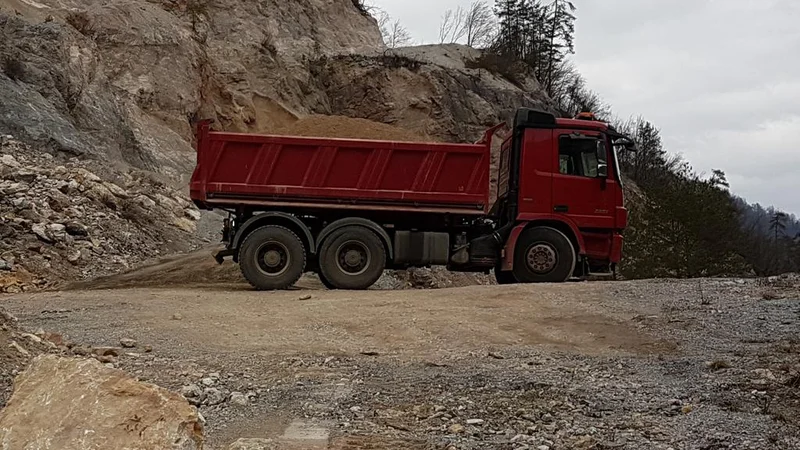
353, 258
273, 258
542, 258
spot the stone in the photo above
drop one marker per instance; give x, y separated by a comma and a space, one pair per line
475, 421
74, 256
76, 229
127, 343
177, 316
87, 405
214, 396
145, 201
184, 224
106, 351
81, 351
21, 203
106, 359
20, 349
40, 230
193, 214
208, 381
456, 428
239, 399
56, 228
13, 188
254, 444
116, 190
4, 265
10, 161
191, 391
24, 175
83, 176
69, 187
765, 374
32, 337
55, 338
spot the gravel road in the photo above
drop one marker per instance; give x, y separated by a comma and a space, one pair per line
701, 364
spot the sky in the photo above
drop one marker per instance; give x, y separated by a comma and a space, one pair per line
720, 78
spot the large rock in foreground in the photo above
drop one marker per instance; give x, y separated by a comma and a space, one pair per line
65, 404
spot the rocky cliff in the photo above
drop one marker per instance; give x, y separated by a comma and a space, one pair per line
122, 79
115, 86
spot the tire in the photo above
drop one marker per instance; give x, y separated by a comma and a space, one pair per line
544, 255
272, 258
352, 258
504, 277
325, 282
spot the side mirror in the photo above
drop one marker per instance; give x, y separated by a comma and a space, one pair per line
602, 170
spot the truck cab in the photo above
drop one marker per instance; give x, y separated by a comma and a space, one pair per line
561, 175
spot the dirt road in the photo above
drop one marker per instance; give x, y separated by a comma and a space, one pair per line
673, 364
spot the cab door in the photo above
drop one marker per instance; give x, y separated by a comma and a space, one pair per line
583, 184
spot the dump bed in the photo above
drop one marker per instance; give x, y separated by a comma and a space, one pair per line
235, 169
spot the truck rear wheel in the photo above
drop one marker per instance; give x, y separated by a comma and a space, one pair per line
352, 258
272, 258
543, 255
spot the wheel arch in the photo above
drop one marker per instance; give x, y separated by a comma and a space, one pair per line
360, 222
276, 218
566, 228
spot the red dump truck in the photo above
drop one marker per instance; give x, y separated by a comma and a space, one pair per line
348, 209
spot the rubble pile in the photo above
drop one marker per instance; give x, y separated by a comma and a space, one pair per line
66, 220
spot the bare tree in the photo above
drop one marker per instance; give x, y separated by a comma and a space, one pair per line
480, 24
475, 26
452, 28
397, 35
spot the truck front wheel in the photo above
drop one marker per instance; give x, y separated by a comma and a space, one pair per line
543, 255
352, 258
272, 258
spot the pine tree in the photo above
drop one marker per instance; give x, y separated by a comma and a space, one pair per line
559, 19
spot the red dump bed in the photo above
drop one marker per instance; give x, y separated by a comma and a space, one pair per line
235, 169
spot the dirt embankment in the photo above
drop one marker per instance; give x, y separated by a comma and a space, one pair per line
349, 128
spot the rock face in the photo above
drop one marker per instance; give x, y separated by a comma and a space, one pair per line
61, 403
122, 79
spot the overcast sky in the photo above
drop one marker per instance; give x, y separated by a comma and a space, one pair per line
721, 78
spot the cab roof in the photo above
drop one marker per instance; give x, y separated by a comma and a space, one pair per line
580, 123
532, 118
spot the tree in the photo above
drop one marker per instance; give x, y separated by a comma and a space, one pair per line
777, 224
475, 26
719, 179
560, 31
541, 36
452, 28
479, 24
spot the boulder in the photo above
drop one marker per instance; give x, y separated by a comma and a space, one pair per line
66, 403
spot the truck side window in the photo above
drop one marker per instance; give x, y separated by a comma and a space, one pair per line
579, 156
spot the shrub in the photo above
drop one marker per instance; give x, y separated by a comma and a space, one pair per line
13, 67
507, 67
81, 21
361, 7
